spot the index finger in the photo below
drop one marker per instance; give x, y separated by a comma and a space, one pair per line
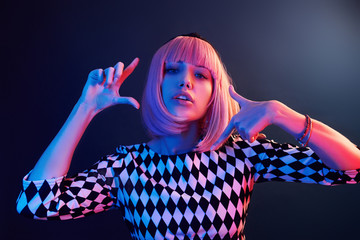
237, 97
128, 70
226, 133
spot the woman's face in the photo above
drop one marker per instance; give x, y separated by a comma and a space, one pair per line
186, 90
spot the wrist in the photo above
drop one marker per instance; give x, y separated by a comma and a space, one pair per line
276, 112
85, 109
288, 119
305, 138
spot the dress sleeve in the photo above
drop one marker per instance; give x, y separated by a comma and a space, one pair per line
290, 163
73, 197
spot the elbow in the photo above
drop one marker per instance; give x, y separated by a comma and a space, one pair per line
22, 206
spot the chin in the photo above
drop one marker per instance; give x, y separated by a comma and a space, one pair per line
188, 116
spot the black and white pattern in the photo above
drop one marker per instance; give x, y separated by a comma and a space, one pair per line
187, 196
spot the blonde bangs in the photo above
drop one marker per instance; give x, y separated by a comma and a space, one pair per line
194, 51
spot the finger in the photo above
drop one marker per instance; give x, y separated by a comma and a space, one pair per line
119, 68
254, 133
226, 133
244, 136
254, 137
95, 76
128, 70
109, 74
237, 97
261, 136
250, 133
127, 100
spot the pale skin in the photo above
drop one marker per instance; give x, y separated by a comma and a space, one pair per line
334, 149
102, 91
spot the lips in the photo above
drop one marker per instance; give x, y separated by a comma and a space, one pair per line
184, 96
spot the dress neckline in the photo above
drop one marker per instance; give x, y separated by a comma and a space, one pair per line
153, 152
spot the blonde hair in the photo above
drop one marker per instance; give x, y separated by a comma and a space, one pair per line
156, 117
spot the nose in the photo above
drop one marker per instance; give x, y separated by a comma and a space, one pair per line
186, 81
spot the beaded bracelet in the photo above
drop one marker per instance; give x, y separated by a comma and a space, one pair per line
305, 138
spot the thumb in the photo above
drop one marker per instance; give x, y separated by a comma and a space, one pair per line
127, 100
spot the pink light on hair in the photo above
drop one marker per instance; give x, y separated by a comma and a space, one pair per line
157, 119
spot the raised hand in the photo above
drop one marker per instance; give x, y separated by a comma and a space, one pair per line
101, 91
253, 117
102, 87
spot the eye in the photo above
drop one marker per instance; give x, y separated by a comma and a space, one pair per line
200, 76
171, 70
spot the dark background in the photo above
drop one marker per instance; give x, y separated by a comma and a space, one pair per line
303, 53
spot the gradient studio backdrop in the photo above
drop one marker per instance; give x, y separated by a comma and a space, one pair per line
303, 53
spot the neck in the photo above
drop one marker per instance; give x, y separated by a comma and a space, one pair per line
177, 144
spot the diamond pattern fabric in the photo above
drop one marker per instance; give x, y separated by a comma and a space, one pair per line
186, 196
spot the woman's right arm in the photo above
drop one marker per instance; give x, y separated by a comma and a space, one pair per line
101, 91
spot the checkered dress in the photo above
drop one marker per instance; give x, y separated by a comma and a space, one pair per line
186, 196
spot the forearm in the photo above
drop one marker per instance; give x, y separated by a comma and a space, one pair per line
56, 159
100, 92
334, 149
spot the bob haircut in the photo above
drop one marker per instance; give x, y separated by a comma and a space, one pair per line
157, 119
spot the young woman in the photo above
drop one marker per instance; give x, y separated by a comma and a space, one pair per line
194, 179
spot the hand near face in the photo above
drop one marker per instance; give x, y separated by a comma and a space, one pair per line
102, 87
253, 117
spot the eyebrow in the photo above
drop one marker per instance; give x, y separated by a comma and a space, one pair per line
194, 65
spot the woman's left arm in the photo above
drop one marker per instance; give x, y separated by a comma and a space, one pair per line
334, 149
